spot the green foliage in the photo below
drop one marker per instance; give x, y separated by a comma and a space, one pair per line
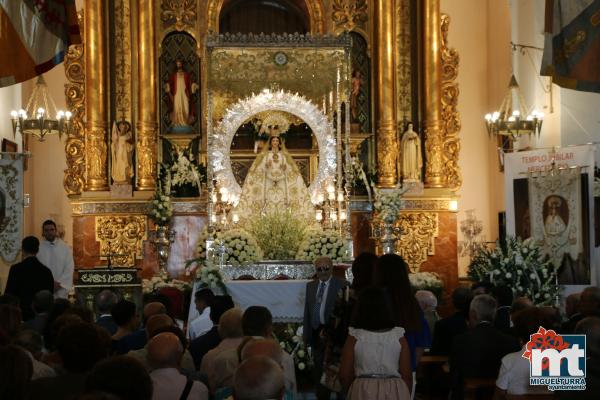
278, 233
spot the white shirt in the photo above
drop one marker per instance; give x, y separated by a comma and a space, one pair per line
514, 375
200, 325
57, 256
323, 299
169, 384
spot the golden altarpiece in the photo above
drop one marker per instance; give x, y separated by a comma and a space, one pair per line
389, 60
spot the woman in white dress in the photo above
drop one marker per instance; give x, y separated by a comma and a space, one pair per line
375, 360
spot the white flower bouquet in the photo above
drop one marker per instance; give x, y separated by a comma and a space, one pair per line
241, 248
427, 281
290, 340
327, 243
211, 277
520, 265
184, 170
161, 280
388, 203
161, 210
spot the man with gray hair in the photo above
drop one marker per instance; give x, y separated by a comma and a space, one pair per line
105, 301
164, 354
428, 304
258, 378
478, 352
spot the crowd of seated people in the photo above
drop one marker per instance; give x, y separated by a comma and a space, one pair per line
375, 338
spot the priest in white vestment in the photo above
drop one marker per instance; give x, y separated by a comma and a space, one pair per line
57, 256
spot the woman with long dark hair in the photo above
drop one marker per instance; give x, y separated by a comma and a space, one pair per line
391, 274
375, 360
336, 330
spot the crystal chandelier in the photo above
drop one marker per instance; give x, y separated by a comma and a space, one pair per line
513, 120
36, 118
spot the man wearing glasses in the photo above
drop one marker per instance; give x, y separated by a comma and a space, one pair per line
321, 294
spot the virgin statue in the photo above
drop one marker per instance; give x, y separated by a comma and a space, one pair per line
274, 183
412, 161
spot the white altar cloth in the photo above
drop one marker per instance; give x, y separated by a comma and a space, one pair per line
284, 298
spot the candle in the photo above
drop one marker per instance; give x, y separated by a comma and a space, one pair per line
236, 218
343, 215
319, 215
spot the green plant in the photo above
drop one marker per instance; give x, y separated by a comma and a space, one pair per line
278, 233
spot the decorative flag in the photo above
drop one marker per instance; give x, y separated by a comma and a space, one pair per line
34, 37
572, 44
11, 207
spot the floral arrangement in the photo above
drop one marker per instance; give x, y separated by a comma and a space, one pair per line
327, 243
427, 281
211, 276
290, 340
185, 171
388, 202
161, 280
241, 248
161, 210
278, 233
520, 265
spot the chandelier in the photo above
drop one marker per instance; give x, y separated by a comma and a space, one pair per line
513, 120
36, 118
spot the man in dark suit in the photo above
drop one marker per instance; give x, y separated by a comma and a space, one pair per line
319, 302
478, 352
41, 304
446, 329
28, 277
504, 297
589, 306
105, 301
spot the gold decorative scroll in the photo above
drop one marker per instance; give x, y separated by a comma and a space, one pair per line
122, 43
178, 14
434, 167
121, 238
349, 15
96, 178
450, 116
387, 142
315, 14
75, 92
417, 239
403, 60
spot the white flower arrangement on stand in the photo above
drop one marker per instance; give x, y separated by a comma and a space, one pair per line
427, 281
519, 265
328, 243
240, 247
161, 280
290, 340
185, 171
388, 203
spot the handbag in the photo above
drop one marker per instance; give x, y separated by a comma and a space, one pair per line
330, 378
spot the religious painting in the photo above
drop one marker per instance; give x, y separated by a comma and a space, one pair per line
560, 224
360, 85
179, 71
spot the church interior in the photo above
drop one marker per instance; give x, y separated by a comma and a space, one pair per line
177, 145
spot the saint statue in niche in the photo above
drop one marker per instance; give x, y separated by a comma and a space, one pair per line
357, 82
274, 182
412, 161
180, 89
121, 151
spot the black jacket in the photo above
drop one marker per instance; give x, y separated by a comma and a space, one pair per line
27, 278
446, 329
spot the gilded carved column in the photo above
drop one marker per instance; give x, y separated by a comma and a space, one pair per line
95, 97
432, 88
147, 98
387, 142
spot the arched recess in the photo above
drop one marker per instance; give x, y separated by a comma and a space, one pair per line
219, 143
316, 12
